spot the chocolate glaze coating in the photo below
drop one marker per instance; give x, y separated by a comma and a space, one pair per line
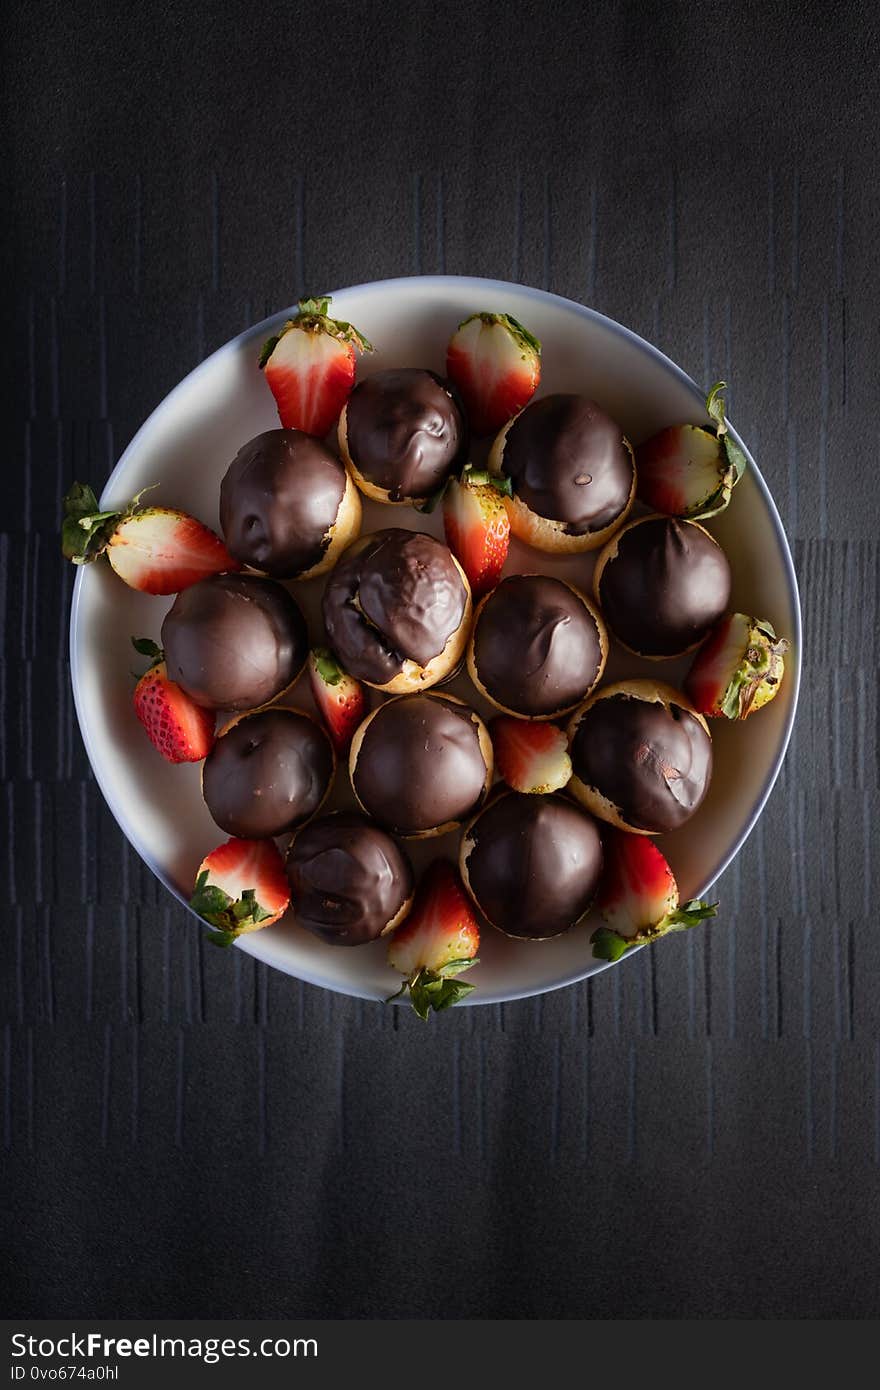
567, 461
268, 773
420, 764
394, 596
348, 879
653, 763
535, 864
234, 641
668, 584
536, 645
278, 501
406, 431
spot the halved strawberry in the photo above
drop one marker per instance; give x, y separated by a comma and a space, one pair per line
176, 726
689, 470
496, 364
439, 939
477, 526
738, 669
158, 550
638, 896
531, 757
310, 367
241, 886
341, 700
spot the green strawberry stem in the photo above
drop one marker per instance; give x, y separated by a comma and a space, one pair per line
760, 663
436, 989
736, 459
312, 317
85, 529
481, 477
519, 331
219, 910
610, 945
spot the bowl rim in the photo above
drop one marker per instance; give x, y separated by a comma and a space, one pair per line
482, 285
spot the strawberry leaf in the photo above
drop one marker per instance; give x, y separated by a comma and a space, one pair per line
229, 915
268, 348
513, 326
327, 667
80, 501
431, 503
147, 647
690, 915
715, 407
85, 530
760, 663
608, 945
434, 990
313, 318
221, 938
522, 333
455, 967
736, 459
316, 308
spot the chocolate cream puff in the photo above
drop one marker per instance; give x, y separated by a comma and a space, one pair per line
571, 471
538, 646
641, 756
350, 882
662, 584
234, 641
288, 507
397, 611
421, 764
403, 433
531, 864
267, 772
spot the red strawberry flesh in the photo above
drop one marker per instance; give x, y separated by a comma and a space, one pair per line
439, 939
161, 551
241, 886
638, 896
738, 669
530, 756
340, 699
679, 470
477, 529
178, 728
496, 364
310, 367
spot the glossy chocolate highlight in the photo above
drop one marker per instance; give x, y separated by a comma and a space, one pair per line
667, 585
279, 500
348, 879
654, 764
420, 764
568, 462
269, 772
234, 641
405, 431
536, 645
535, 864
394, 596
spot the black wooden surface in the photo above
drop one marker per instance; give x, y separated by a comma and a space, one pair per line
694, 1133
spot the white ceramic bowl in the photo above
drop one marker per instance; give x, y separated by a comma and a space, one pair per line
187, 444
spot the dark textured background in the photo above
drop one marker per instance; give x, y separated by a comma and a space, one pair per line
697, 1132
